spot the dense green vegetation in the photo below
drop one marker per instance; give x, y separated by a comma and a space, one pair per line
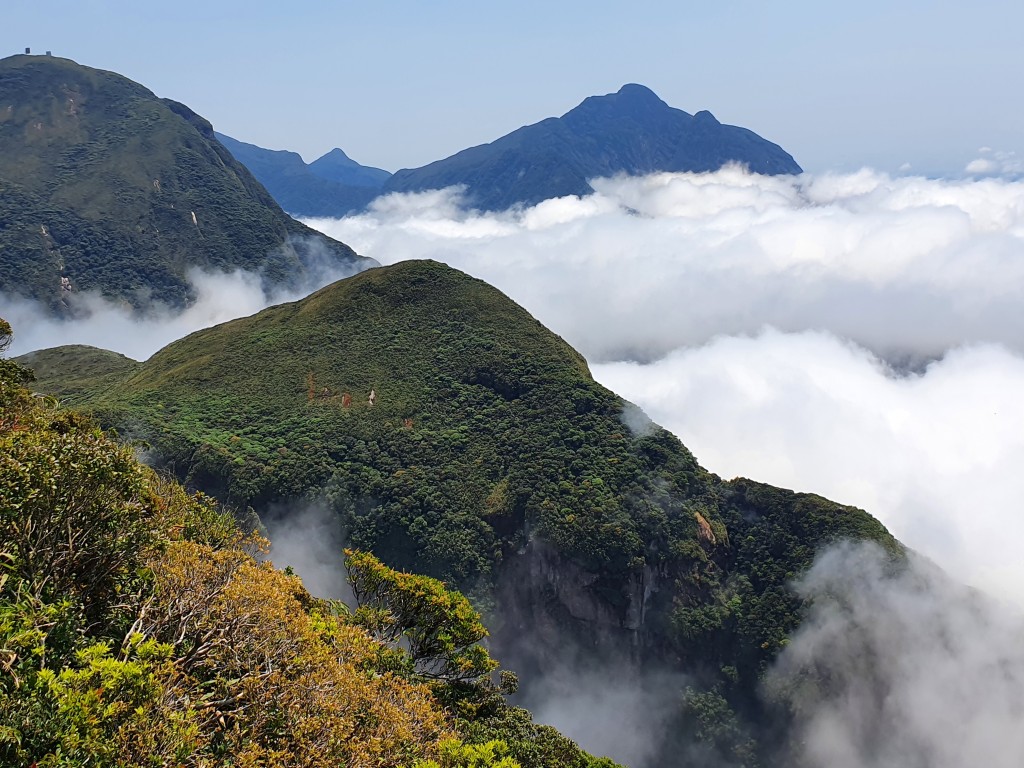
120, 192
491, 459
139, 628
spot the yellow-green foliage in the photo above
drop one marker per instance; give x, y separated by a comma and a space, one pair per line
439, 626
138, 629
455, 754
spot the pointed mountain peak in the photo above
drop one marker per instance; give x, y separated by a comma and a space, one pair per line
338, 167
629, 131
336, 156
631, 101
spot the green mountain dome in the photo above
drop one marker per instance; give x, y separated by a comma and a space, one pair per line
455, 436
105, 187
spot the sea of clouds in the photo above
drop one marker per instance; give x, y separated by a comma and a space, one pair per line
855, 335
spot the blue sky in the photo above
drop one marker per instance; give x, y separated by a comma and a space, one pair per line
401, 83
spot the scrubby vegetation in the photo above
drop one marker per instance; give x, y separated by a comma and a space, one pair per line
138, 627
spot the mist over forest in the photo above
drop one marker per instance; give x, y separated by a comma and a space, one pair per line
853, 335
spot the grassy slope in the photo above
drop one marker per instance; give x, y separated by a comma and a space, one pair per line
100, 180
76, 371
488, 434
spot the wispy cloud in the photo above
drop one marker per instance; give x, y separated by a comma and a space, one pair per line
99, 322
993, 162
901, 668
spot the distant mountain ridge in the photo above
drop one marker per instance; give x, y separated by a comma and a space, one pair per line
106, 187
338, 167
332, 185
631, 131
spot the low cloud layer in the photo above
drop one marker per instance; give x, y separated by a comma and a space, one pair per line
857, 336
99, 322
907, 267
308, 537
685, 271
615, 712
901, 669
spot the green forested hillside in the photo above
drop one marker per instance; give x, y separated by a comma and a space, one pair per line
490, 458
77, 369
138, 627
105, 187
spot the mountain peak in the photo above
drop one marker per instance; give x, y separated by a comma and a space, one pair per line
339, 168
630, 131
638, 92
631, 100
704, 116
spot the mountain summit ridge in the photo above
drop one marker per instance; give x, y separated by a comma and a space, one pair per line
332, 185
631, 131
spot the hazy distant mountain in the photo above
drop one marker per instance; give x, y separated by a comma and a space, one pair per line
105, 187
333, 185
632, 131
338, 167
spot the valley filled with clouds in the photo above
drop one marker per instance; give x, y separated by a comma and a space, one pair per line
852, 335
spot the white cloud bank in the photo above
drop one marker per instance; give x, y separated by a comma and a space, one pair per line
220, 296
763, 311
907, 267
687, 271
